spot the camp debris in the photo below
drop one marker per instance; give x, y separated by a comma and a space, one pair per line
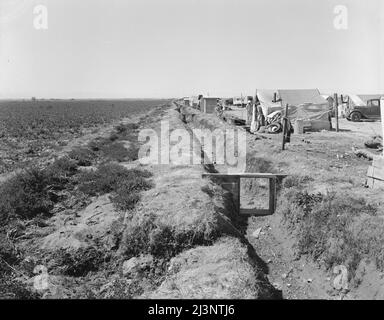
375, 143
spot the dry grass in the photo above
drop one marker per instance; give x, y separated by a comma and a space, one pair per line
334, 228
147, 234
220, 271
113, 147
32, 192
78, 263
111, 177
83, 156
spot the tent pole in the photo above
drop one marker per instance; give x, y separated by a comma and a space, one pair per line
285, 119
336, 105
382, 117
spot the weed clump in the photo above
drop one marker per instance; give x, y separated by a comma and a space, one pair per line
25, 196
84, 157
10, 257
127, 193
32, 192
121, 128
329, 229
96, 144
14, 289
78, 263
60, 172
113, 148
148, 235
111, 177
257, 164
8, 254
125, 185
118, 152
127, 131
293, 181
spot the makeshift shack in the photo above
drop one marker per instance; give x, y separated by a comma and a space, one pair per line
186, 101
208, 104
269, 101
310, 117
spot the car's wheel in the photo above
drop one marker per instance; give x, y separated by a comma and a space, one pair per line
355, 116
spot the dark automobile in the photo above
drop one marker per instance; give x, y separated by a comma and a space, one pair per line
369, 111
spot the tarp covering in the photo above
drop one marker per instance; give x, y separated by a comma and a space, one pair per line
355, 100
304, 112
292, 97
265, 98
300, 96
309, 112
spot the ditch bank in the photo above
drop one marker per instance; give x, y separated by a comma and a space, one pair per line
189, 221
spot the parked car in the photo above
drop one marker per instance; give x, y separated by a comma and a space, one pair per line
369, 111
242, 101
238, 101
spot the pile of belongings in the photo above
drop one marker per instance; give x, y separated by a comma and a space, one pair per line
273, 122
376, 142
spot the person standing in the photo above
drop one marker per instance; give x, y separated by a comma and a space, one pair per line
249, 115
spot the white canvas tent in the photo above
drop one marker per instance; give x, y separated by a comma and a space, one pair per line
267, 104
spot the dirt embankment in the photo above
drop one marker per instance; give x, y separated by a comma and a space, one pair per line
210, 257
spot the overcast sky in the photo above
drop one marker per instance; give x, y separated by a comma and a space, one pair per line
172, 48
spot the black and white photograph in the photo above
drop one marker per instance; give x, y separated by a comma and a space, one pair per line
208, 152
